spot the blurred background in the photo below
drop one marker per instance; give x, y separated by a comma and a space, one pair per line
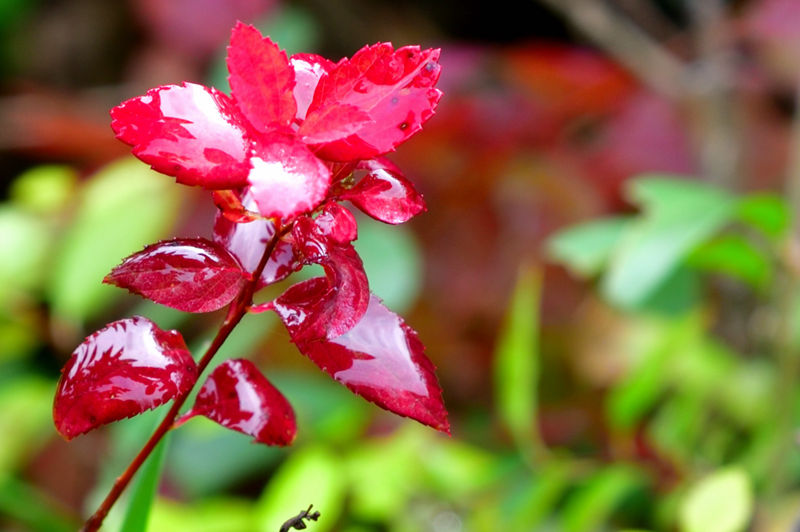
608, 277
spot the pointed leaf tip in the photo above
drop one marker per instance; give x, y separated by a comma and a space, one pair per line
123, 369
380, 358
188, 274
384, 193
393, 88
237, 396
261, 79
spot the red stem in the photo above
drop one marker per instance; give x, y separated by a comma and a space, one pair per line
236, 311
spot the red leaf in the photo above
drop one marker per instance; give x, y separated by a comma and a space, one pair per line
380, 359
286, 179
191, 132
325, 240
120, 371
308, 69
189, 274
246, 242
384, 193
237, 396
395, 88
334, 122
261, 79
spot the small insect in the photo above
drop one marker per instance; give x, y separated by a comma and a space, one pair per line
297, 522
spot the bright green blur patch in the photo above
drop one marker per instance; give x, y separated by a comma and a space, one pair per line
44, 189
122, 208
312, 475
721, 502
586, 248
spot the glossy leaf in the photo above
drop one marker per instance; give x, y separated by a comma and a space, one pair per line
246, 242
337, 302
122, 370
308, 69
384, 193
189, 274
191, 132
261, 79
393, 87
380, 358
286, 179
237, 396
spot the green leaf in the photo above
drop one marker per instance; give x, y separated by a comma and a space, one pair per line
543, 494
26, 420
312, 475
678, 215
767, 212
735, 256
586, 248
28, 506
123, 207
516, 361
144, 490
207, 515
722, 502
25, 240
594, 502
654, 346
44, 189
385, 473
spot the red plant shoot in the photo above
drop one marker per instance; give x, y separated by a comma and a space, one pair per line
297, 136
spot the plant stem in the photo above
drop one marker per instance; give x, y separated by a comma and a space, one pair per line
236, 311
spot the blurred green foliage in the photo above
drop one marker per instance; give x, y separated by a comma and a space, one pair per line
691, 436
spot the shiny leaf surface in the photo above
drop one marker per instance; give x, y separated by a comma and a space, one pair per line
261, 79
384, 193
189, 274
122, 370
286, 179
246, 242
191, 132
237, 396
395, 88
380, 359
336, 307
308, 69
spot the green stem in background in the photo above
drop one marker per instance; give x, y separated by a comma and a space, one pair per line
788, 341
236, 311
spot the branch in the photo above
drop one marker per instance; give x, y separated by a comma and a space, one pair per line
625, 42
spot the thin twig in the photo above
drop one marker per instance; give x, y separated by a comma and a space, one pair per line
236, 311
711, 85
626, 42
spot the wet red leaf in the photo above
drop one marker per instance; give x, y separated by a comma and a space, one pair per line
123, 369
325, 240
380, 358
286, 179
246, 242
189, 274
384, 193
261, 79
308, 69
191, 132
237, 396
393, 87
